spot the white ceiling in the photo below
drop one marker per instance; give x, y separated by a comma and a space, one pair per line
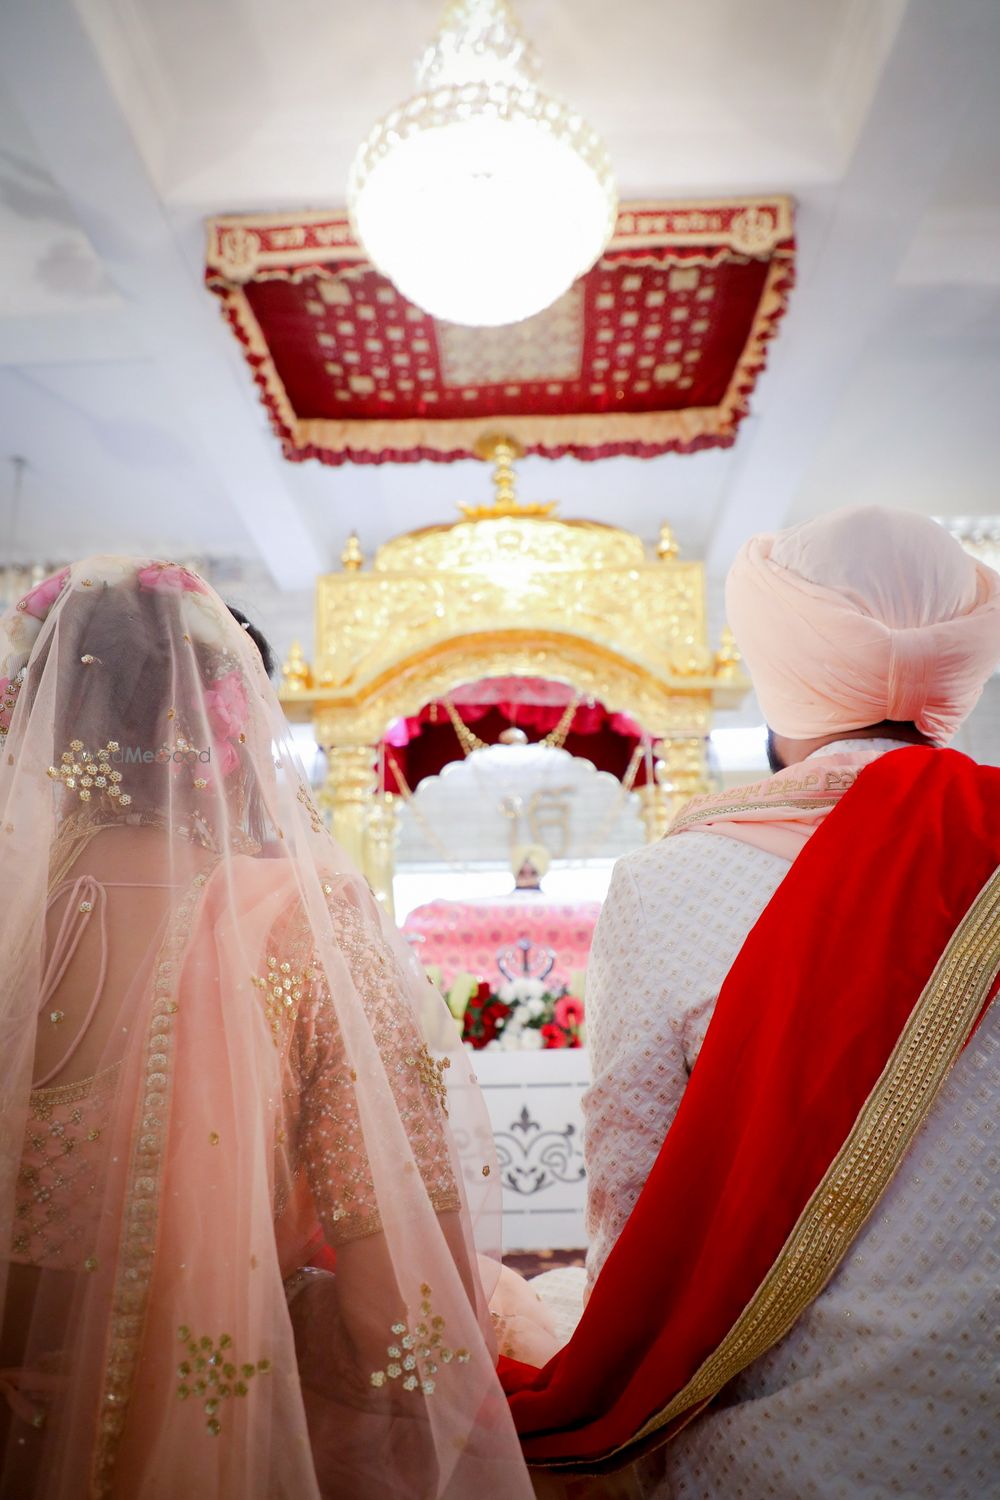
123, 123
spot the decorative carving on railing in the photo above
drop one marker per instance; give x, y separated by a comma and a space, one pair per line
532, 1159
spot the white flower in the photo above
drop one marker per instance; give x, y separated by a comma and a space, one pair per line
21, 631
536, 1008
510, 1040
519, 991
531, 1040
203, 619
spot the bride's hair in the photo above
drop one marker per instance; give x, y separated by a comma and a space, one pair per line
259, 639
135, 687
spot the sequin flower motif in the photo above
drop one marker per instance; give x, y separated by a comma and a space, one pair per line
84, 773
210, 1370
282, 990
415, 1356
9, 689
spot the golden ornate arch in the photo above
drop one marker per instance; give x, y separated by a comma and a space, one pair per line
509, 591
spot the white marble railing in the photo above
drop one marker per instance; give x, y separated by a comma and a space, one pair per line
533, 1100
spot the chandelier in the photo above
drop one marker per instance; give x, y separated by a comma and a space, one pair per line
482, 198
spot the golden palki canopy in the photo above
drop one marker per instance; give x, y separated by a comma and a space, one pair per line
509, 591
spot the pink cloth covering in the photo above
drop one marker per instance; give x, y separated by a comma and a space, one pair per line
459, 936
244, 1162
862, 616
781, 814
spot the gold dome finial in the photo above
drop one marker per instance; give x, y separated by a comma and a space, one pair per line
666, 548
502, 450
728, 660
352, 558
296, 675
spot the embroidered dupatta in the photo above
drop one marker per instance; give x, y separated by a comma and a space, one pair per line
851, 998
218, 1064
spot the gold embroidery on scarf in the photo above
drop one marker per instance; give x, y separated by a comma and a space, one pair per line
413, 1357
315, 821
140, 1209
688, 817
431, 1073
764, 796
931, 1040
282, 989
209, 1370
84, 773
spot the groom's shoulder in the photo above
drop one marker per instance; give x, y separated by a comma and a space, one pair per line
675, 852
692, 871
664, 870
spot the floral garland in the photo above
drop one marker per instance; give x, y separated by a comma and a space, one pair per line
523, 1015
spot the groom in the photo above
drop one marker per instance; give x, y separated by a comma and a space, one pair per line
825, 1168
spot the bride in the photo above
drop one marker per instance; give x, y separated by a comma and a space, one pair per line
244, 1165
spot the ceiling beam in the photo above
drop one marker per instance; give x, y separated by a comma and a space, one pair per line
940, 70
50, 67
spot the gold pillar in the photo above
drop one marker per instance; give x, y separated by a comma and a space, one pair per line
347, 793
682, 769
383, 831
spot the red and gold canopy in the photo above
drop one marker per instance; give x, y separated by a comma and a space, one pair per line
657, 349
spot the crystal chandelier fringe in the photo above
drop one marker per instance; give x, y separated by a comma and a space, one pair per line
482, 197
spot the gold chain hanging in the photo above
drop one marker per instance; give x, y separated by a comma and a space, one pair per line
429, 831
554, 740
466, 738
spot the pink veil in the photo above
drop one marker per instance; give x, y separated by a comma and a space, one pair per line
244, 1166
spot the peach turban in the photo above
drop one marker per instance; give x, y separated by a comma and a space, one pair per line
864, 615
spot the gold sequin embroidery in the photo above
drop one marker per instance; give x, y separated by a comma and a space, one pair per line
316, 822
413, 1357
7, 704
432, 1073
82, 772
322, 1120
54, 1202
211, 1371
135, 1265
282, 989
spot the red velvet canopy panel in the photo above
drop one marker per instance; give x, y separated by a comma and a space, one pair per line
423, 745
656, 349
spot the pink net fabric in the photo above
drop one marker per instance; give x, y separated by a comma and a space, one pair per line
244, 1166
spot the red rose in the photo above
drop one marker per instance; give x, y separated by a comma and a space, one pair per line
553, 1035
483, 1017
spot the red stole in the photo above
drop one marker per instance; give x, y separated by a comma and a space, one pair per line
837, 1024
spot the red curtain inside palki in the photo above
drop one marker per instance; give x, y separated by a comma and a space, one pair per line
423, 745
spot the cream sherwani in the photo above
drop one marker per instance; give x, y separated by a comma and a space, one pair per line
888, 1384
